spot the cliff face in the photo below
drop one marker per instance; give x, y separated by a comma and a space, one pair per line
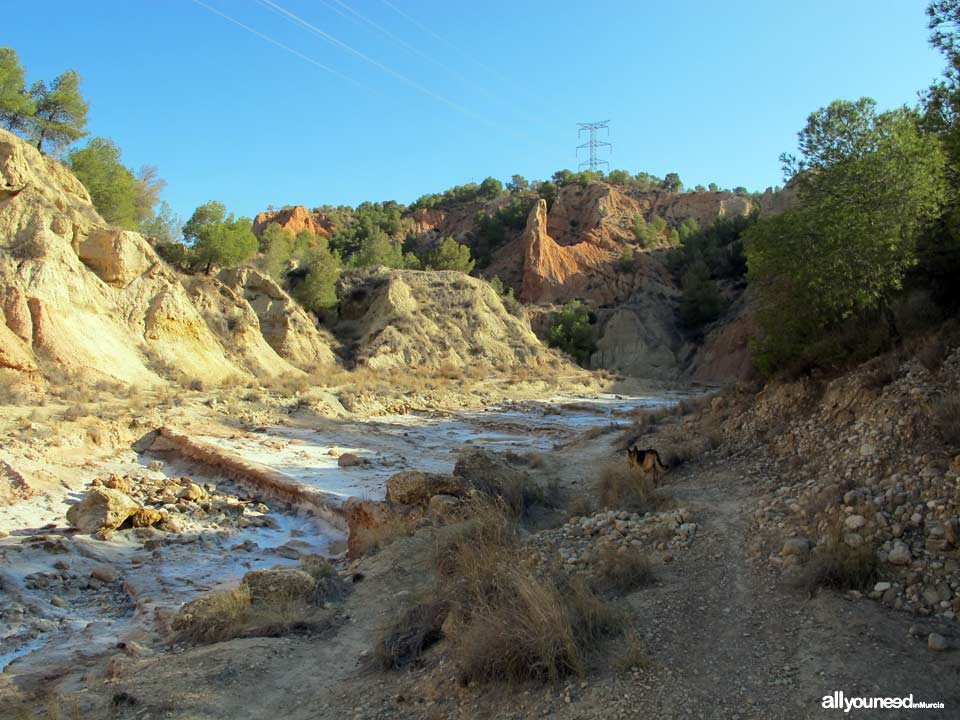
573, 252
552, 271
81, 296
294, 219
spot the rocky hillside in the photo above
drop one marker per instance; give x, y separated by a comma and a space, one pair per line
405, 318
573, 252
86, 298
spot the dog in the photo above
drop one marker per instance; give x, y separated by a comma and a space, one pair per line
646, 461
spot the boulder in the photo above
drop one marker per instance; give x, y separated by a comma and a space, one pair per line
899, 555
369, 521
350, 460
413, 487
797, 546
193, 492
146, 517
101, 509
278, 586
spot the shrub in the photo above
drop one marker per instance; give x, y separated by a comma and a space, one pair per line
620, 487
701, 302
450, 255
402, 641
946, 418
572, 332
502, 619
628, 260
620, 572
317, 291
881, 371
838, 566
633, 655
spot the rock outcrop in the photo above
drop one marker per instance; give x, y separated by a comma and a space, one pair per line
262, 328
551, 271
98, 301
294, 219
407, 318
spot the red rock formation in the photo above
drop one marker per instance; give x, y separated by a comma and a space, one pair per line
551, 271
294, 219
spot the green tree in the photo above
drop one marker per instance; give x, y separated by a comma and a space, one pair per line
628, 260
377, 248
61, 116
217, 238
548, 191
16, 105
868, 184
571, 331
112, 187
120, 197
450, 255
701, 301
564, 177
317, 291
672, 183
518, 183
163, 226
649, 234
276, 244
491, 188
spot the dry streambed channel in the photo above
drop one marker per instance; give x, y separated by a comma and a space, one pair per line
64, 594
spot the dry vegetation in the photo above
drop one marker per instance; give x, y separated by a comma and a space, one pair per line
620, 487
502, 618
621, 571
946, 417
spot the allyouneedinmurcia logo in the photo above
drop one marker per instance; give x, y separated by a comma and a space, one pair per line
839, 701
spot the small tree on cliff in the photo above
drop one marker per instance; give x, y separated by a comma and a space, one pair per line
276, 243
16, 106
61, 116
218, 239
318, 290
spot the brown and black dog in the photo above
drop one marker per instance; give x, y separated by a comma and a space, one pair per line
647, 461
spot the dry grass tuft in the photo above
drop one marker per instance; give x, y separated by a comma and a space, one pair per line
839, 566
946, 418
403, 641
881, 371
620, 487
633, 655
503, 619
621, 572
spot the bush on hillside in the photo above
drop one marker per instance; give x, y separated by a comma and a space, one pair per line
572, 332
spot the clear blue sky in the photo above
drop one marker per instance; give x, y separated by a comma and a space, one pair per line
714, 91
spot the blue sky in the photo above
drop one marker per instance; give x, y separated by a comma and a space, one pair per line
437, 93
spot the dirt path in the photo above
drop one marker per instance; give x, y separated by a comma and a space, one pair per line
729, 641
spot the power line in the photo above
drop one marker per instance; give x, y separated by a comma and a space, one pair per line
413, 49
277, 43
442, 39
376, 63
594, 145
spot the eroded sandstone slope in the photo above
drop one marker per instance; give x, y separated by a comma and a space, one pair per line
405, 318
83, 297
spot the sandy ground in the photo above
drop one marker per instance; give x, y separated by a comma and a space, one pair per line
722, 637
